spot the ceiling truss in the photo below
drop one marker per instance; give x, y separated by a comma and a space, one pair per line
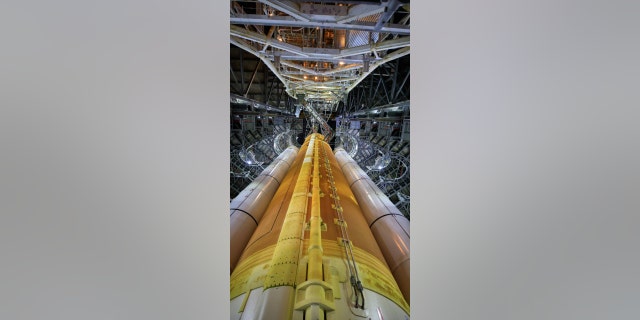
319, 51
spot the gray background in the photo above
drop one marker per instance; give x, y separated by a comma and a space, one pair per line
114, 162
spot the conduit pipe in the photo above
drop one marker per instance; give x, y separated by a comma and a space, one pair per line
247, 208
388, 225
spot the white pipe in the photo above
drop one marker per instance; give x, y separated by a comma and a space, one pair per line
388, 225
247, 208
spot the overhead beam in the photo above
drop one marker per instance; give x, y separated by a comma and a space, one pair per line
264, 59
254, 36
269, 37
310, 83
384, 45
360, 11
256, 104
319, 52
323, 9
299, 67
390, 8
395, 107
322, 73
257, 19
394, 55
350, 59
288, 7
402, 22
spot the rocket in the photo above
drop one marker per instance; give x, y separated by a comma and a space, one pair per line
312, 237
